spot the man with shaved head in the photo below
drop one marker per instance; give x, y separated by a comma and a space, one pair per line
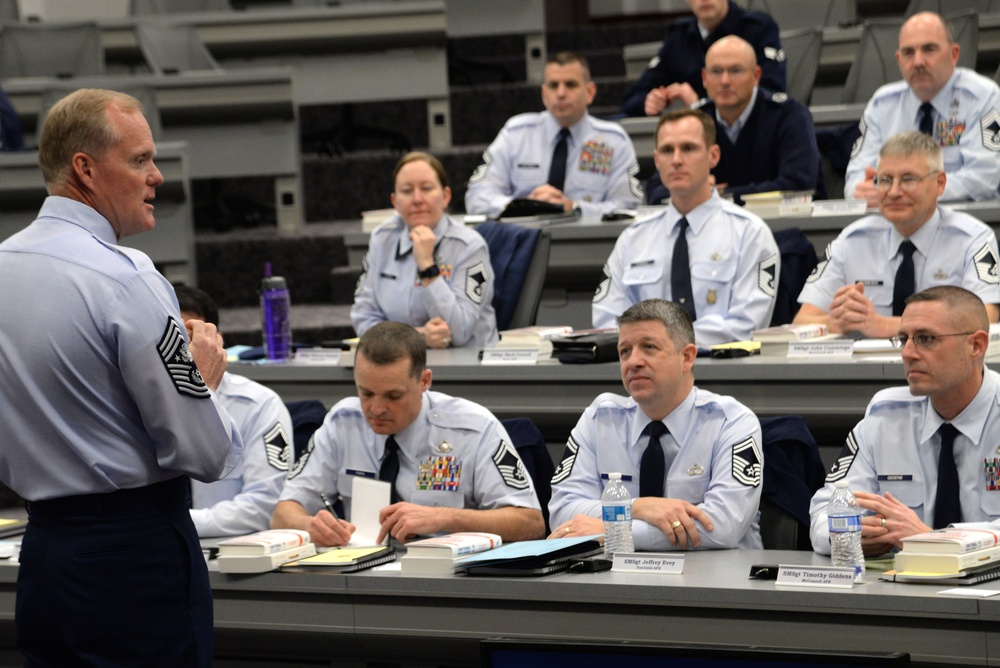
925, 456
957, 107
766, 139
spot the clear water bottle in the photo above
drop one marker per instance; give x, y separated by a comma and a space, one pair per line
844, 519
275, 307
616, 506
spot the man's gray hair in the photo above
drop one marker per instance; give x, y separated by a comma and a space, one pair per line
910, 143
672, 315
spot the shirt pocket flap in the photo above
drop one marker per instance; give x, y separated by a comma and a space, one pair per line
713, 272
643, 274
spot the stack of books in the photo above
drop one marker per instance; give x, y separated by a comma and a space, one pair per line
525, 345
442, 555
811, 340
959, 556
779, 203
264, 551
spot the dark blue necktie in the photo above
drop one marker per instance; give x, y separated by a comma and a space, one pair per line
906, 282
653, 464
947, 507
680, 271
390, 467
927, 119
557, 170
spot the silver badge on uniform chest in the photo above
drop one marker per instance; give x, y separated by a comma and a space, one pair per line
443, 447
697, 469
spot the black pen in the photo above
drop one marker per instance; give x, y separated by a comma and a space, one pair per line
329, 506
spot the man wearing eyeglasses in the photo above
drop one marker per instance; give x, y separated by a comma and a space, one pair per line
925, 456
766, 139
957, 107
879, 261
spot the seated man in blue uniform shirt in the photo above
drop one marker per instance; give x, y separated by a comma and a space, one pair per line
674, 74
243, 501
925, 456
691, 459
766, 139
715, 258
957, 107
450, 461
562, 156
878, 261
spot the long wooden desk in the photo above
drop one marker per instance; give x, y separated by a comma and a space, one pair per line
170, 245
322, 619
236, 123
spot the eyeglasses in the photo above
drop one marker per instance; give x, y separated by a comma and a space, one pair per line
733, 72
922, 341
906, 182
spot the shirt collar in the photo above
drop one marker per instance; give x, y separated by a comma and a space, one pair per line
923, 238
677, 421
697, 217
971, 422
733, 131
941, 102
441, 230
79, 214
552, 128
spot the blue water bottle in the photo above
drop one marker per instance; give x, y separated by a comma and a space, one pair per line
275, 308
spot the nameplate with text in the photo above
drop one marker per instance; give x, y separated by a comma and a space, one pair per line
317, 356
649, 562
843, 349
816, 576
510, 356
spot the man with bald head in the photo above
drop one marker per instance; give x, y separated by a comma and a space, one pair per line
674, 74
957, 107
925, 455
766, 139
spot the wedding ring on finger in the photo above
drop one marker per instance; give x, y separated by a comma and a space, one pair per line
883, 523
675, 524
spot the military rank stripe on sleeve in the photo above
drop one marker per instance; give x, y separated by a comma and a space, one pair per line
510, 466
566, 465
179, 364
747, 460
300, 463
844, 459
278, 450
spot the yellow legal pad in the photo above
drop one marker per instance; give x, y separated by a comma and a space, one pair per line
345, 559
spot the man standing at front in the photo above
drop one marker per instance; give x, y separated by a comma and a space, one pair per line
106, 408
692, 460
714, 258
877, 262
562, 156
956, 107
450, 462
925, 456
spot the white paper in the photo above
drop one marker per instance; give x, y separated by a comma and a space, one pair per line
368, 497
968, 591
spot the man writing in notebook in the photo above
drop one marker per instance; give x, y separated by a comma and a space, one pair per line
450, 462
691, 459
925, 457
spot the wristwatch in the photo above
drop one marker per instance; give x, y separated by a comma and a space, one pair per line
429, 272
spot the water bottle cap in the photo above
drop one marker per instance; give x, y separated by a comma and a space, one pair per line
841, 484
615, 476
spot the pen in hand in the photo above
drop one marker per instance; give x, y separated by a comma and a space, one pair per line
329, 506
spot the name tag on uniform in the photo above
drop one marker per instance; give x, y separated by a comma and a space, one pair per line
360, 474
391, 277
625, 478
895, 477
527, 165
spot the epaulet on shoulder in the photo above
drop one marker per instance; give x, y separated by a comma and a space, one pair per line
463, 416
389, 226
611, 401
892, 397
609, 127
890, 89
776, 97
521, 121
864, 225
738, 211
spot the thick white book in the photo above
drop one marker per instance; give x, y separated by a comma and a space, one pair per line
262, 563
413, 565
271, 541
952, 541
454, 544
789, 332
938, 562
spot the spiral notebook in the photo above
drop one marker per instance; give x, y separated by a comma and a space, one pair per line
972, 576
